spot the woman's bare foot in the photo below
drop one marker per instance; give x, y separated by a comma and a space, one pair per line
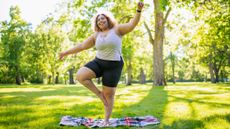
106, 123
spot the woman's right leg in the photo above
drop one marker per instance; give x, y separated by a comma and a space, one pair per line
85, 76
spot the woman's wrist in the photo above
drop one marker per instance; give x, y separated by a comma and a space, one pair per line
138, 11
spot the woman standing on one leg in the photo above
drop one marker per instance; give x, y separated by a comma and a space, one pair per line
108, 63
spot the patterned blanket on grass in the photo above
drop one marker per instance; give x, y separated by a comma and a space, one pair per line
113, 122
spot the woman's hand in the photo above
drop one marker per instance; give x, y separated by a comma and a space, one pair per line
140, 6
62, 55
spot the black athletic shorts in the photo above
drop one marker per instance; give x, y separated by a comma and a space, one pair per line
110, 71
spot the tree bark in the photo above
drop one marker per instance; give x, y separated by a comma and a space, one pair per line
49, 79
53, 77
71, 80
18, 77
142, 76
129, 78
213, 80
216, 71
56, 78
158, 45
172, 58
173, 76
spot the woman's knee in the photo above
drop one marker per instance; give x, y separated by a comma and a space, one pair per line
84, 74
80, 76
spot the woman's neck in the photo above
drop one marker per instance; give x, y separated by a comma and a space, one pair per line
105, 30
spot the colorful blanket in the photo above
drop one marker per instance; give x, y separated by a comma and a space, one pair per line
113, 122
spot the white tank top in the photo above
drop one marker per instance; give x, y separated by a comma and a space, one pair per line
109, 46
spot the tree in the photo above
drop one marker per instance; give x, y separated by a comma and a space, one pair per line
157, 41
172, 59
159, 7
212, 39
13, 35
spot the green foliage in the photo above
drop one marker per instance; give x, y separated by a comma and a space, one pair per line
13, 37
205, 37
164, 4
213, 39
44, 48
196, 42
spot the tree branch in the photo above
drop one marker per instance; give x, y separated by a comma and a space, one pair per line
167, 14
151, 40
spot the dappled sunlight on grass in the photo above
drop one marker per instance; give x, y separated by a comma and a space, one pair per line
8, 97
217, 123
178, 110
41, 122
67, 101
131, 94
190, 88
142, 100
205, 110
184, 105
196, 105
8, 90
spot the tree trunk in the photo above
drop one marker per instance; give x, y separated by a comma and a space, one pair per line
158, 45
56, 78
23, 79
18, 77
216, 71
172, 58
53, 77
142, 77
213, 80
129, 78
222, 76
49, 79
173, 76
71, 80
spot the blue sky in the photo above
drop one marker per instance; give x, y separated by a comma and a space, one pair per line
33, 11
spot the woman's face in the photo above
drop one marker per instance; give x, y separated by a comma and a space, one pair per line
102, 22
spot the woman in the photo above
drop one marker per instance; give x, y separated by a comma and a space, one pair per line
108, 63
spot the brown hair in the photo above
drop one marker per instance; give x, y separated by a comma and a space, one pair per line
111, 21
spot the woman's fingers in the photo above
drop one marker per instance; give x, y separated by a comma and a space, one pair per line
140, 5
61, 56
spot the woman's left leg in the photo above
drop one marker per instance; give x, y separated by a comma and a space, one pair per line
109, 93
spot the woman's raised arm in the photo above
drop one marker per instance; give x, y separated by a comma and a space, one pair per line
128, 27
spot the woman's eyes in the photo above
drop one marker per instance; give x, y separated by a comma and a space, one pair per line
101, 19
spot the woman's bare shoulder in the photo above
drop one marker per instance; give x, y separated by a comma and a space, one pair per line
116, 29
94, 35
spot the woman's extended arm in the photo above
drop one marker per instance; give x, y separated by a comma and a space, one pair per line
88, 43
128, 27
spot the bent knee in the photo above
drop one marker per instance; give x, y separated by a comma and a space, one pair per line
84, 74
80, 77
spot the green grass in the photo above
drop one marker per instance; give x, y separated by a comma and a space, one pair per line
180, 106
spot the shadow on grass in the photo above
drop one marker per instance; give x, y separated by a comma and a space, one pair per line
42, 107
195, 97
196, 124
152, 104
26, 109
200, 101
185, 124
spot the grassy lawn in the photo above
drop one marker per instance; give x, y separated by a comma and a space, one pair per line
180, 106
